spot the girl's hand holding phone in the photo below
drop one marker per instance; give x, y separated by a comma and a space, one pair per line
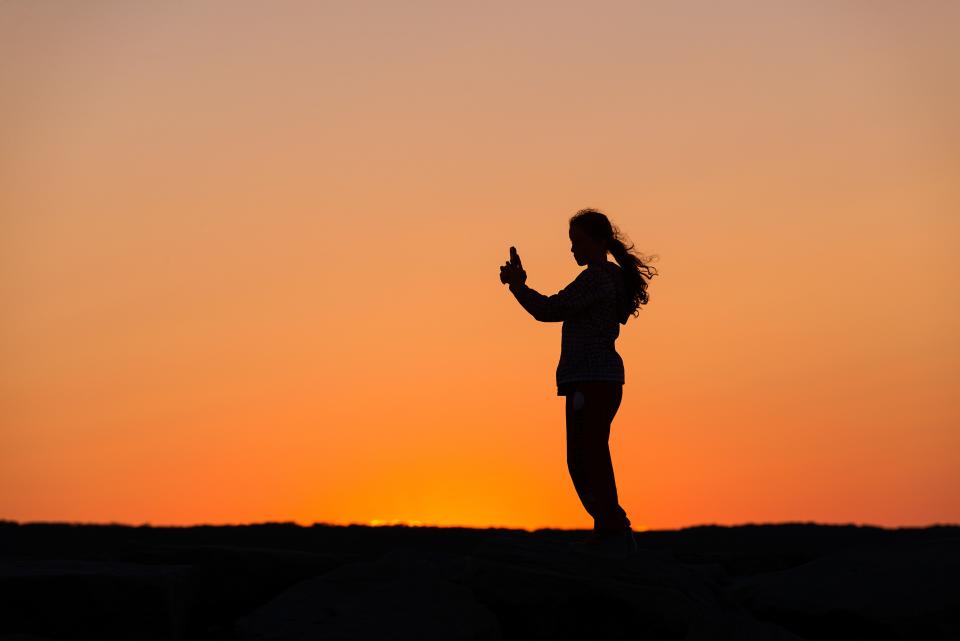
511, 272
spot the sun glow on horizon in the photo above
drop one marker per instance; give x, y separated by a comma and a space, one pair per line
392, 522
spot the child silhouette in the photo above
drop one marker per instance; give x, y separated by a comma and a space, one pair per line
590, 372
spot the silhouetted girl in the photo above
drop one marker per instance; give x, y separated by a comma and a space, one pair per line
590, 372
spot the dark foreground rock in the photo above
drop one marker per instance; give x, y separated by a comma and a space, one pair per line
283, 581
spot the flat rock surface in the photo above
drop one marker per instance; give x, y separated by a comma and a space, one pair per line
282, 581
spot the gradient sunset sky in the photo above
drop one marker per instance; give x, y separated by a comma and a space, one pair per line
249, 259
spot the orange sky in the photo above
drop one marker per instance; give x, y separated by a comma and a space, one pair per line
249, 259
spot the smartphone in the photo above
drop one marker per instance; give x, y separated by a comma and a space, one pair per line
513, 254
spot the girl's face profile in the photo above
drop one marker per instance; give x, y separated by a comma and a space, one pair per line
583, 247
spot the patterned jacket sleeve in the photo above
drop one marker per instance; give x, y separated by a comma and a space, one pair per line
580, 294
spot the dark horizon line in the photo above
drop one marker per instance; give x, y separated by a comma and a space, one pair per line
319, 524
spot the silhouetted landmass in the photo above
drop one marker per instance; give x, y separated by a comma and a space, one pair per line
285, 581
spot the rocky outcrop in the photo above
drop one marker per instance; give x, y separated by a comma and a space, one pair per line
286, 582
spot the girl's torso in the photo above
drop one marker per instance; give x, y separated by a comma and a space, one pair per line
587, 350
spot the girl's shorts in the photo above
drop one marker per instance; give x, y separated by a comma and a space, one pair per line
567, 389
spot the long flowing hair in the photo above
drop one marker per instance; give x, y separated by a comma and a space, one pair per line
636, 272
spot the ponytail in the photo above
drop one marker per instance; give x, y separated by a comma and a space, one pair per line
636, 272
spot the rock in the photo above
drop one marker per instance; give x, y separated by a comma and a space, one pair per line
543, 592
94, 599
399, 596
880, 588
788, 582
